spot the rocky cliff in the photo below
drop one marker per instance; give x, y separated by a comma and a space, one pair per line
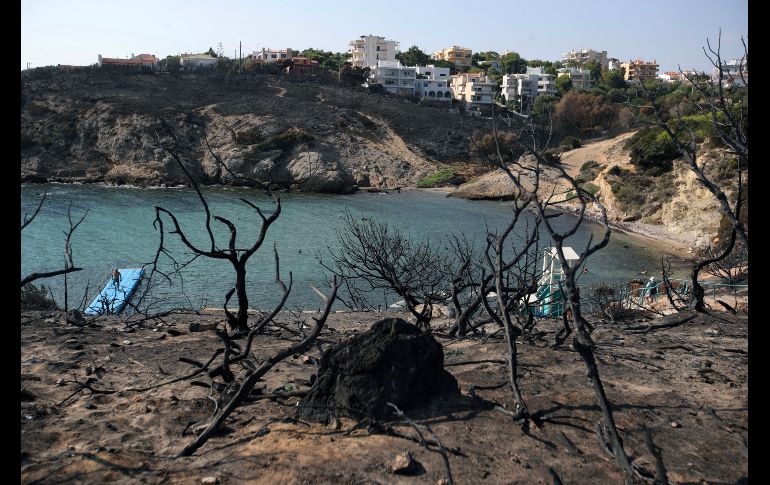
94, 126
672, 206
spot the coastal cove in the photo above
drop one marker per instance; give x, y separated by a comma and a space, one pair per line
118, 232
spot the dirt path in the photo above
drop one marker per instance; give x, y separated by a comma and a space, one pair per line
604, 152
688, 384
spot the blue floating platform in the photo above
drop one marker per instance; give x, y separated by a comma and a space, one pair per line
112, 300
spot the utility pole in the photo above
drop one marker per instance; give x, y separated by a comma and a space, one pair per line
240, 56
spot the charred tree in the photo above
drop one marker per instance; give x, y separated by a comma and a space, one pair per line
237, 256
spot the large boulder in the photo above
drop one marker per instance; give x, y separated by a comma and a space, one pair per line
391, 362
314, 172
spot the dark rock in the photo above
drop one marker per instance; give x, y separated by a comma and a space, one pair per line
75, 317
26, 396
391, 362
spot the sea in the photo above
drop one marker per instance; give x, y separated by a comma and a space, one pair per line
120, 230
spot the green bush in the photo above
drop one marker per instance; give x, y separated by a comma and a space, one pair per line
590, 188
652, 150
570, 142
588, 171
615, 170
552, 155
436, 179
639, 193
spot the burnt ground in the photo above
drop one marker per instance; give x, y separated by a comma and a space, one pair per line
688, 384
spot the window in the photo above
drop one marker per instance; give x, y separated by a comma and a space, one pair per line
378, 48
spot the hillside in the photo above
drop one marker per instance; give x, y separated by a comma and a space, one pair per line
673, 206
93, 126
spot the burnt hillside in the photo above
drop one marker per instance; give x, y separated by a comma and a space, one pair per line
92, 125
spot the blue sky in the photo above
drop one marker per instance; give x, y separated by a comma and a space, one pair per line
672, 32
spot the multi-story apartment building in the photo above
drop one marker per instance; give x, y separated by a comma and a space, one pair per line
614, 64
461, 56
581, 78
394, 77
369, 49
545, 82
734, 72
525, 87
272, 55
640, 70
521, 88
584, 55
475, 90
433, 83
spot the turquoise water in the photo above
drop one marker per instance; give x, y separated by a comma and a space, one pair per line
118, 232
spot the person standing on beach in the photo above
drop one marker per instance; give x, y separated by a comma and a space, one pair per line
651, 289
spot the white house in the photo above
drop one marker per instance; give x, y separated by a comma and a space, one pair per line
197, 60
394, 77
433, 83
369, 49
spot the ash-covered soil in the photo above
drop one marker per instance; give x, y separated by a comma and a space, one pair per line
688, 384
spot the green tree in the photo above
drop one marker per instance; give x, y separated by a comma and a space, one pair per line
479, 57
613, 79
652, 149
444, 63
544, 105
326, 59
563, 84
413, 57
173, 63
513, 63
595, 68
211, 52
